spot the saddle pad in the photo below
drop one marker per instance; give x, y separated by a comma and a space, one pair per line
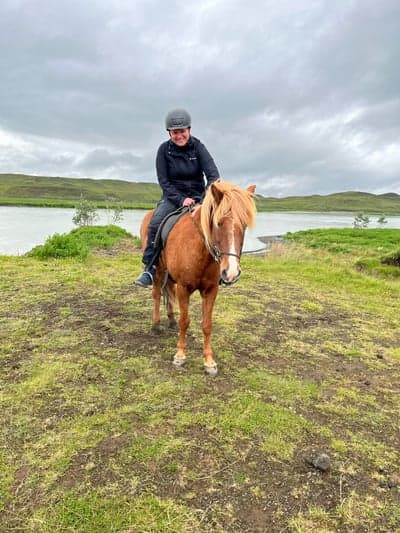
166, 226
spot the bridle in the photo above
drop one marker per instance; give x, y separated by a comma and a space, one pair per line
217, 254
214, 250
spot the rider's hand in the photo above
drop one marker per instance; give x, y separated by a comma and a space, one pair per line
188, 201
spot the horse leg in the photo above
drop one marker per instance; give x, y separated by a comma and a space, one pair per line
171, 297
183, 299
156, 293
208, 299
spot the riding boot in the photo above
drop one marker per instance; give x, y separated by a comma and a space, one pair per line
146, 278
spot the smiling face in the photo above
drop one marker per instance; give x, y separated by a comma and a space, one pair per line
180, 137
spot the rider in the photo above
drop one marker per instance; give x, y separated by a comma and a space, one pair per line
182, 164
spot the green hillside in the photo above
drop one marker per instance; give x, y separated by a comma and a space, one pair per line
39, 190
351, 201
19, 189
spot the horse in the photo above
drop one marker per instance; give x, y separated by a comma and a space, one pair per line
202, 251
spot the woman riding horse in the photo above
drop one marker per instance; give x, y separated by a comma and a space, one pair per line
182, 162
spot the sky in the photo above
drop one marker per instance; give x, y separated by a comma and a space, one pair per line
298, 97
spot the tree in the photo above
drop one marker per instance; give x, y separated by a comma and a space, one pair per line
85, 214
361, 221
382, 221
115, 214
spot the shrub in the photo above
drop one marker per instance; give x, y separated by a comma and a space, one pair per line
85, 214
361, 221
60, 246
79, 242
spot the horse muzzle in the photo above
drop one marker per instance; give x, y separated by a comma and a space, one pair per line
225, 280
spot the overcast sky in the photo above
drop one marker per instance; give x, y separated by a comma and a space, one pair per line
296, 96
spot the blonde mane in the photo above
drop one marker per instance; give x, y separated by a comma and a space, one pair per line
235, 202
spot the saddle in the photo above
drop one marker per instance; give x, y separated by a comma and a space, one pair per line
166, 226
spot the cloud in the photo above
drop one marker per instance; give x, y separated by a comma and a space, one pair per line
300, 97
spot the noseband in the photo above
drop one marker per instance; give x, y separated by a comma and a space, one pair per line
217, 253
214, 250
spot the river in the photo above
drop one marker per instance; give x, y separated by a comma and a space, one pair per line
21, 228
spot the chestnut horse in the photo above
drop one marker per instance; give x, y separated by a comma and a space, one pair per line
203, 250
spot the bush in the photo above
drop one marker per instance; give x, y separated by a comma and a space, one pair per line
361, 221
60, 246
79, 242
85, 214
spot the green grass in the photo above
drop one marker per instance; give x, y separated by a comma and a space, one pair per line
371, 250
96, 513
349, 241
79, 242
99, 432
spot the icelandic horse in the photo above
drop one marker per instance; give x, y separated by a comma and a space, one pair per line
202, 251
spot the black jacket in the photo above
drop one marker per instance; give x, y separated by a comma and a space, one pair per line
181, 170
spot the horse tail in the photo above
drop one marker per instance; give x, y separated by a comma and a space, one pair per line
168, 291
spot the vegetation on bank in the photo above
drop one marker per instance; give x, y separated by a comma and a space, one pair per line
80, 242
99, 433
37, 202
351, 201
18, 189
376, 251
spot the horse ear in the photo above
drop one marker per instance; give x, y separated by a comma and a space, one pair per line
216, 192
251, 189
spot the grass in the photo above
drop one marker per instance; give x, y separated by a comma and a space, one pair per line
79, 242
100, 433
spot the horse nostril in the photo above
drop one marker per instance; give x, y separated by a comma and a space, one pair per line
224, 274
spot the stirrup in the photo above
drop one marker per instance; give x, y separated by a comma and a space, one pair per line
145, 279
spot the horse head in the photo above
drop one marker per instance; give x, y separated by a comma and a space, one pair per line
226, 213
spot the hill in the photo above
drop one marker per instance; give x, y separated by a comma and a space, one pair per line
20, 189
34, 190
352, 201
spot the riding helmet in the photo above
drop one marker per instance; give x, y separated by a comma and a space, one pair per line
178, 119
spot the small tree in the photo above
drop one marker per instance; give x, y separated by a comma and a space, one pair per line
85, 214
382, 221
115, 214
361, 221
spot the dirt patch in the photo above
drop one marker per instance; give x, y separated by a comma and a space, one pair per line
162, 431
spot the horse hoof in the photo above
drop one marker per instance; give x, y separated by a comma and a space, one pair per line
178, 363
211, 370
155, 329
172, 324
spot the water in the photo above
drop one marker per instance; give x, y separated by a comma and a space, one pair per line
22, 228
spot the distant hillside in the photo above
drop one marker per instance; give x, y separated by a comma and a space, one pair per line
350, 201
19, 189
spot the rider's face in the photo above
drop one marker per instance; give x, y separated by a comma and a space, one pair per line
180, 137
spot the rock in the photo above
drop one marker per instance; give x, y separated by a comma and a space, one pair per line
321, 462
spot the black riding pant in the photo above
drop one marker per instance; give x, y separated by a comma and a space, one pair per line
150, 254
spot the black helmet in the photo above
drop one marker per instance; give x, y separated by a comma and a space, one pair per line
177, 119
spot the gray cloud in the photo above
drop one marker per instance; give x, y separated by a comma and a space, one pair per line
297, 97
